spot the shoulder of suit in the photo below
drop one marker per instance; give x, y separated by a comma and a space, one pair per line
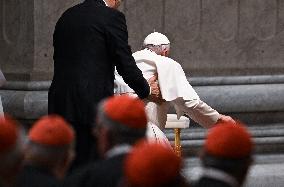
113, 11
109, 11
69, 11
115, 16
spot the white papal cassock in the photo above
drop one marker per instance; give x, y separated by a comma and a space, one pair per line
175, 89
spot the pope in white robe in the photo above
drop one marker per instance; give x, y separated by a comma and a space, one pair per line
175, 88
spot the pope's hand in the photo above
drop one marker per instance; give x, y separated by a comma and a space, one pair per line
226, 119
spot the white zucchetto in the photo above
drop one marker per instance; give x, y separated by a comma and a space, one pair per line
156, 38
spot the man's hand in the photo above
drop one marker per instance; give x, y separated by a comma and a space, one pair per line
155, 95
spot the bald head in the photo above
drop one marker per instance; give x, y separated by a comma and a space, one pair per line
113, 3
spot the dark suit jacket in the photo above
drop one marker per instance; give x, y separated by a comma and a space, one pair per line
89, 40
105, 173
209, 182
32, 176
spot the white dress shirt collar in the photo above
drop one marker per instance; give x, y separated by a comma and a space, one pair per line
117, 150
105, 2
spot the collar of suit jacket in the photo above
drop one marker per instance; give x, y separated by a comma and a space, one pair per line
220, 175
100, 2
105, 2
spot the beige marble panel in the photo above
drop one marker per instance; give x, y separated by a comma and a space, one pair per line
16, 36
143, 17
183, 25
26, 37
226, 37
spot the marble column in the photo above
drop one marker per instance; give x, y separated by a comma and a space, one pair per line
26, 29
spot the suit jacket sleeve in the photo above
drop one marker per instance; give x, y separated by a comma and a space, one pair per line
117, 38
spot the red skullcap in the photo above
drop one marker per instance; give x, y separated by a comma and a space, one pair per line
8, 133
151, 164
52, 130
229, 140
126, 110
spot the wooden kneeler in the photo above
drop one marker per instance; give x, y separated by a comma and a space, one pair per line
177, 125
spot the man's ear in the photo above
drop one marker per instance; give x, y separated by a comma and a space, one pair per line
104, 140
101, 132
64, 164
165, 53
104, 132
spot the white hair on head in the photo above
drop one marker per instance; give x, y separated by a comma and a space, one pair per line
158, 49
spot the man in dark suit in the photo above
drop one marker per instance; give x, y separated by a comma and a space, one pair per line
48, 153
121, 122
227, 156
89, 40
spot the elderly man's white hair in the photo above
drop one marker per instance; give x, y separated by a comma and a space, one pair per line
157, 42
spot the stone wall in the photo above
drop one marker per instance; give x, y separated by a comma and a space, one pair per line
214, 37
26, 28
209, 38
26, 37
214, 40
